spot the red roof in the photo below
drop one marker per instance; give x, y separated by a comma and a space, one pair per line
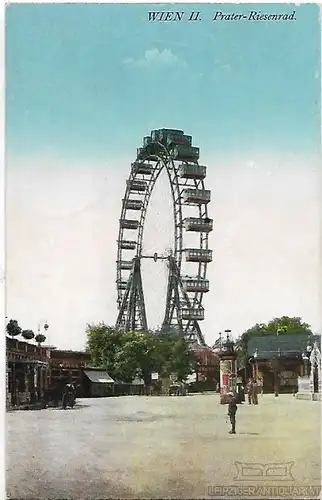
199, 349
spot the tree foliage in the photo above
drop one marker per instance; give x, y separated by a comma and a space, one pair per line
13, 329
27, 334
137, 357
40, 338
130, 355
103, 342
277, 326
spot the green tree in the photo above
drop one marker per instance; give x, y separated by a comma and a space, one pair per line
127, 355
183, 361
103, 343
27, 334
277, 326
137, 357
13, 329
40, 338
285, 324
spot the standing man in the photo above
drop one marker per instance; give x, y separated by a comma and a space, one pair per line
240, 393
232, 409
255, 392
249, 389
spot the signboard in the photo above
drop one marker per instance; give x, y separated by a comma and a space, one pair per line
191, 378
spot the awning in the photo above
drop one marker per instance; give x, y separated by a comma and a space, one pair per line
99, 377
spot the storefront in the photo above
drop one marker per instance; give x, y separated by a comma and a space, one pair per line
26, 374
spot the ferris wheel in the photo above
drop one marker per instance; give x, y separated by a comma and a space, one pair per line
171, 150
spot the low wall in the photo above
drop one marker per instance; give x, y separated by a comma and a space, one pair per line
308, 396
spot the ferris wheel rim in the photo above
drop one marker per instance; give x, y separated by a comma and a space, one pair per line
158, 160
160, 163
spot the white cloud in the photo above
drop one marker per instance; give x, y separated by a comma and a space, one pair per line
154, 57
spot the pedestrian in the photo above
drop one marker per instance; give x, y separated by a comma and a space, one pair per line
249, 389
240, 393
55, 395
232, 409
255, 392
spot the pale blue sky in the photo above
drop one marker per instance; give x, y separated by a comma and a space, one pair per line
85, 83
84, 79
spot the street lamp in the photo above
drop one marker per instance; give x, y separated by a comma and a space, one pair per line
256, 364
220, 340
306, 358
45, 326
279, 330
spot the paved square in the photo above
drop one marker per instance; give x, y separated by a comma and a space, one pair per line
156, 447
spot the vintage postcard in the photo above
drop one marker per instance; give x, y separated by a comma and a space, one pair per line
163, 320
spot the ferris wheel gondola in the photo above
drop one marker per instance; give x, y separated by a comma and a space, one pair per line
171, 150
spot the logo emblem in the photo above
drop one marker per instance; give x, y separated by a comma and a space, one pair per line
262, 472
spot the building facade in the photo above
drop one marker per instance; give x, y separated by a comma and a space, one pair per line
67, 366
208, 370
26, 373
279, 360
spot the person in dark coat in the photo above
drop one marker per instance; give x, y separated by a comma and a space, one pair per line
255, 392
232, 410
240, 393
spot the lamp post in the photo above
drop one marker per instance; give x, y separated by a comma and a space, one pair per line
220, 340
306, 358
308, 351
7, 369
279, 330
38, 373
256, 364
45, 326
276, 378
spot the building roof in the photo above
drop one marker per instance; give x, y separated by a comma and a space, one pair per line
66, 353
287, 345
99, 377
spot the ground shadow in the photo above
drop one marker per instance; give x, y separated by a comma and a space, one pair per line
249, 433
59, 408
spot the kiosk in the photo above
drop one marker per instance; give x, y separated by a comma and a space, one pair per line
228, 369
